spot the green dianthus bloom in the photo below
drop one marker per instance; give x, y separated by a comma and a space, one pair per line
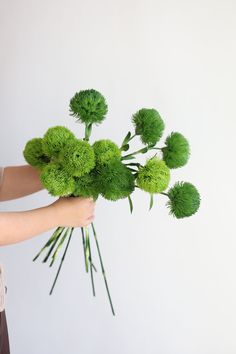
177, 150
106, 151
55, 139
89, 106
77, 157
184, 199
55, 179
86, 186
154, 176
33, 153
149, 125
115, 181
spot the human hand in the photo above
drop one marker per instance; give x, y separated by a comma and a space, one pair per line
74, 211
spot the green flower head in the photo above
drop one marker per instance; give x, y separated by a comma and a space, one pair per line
55, 139
55, 179
154, 176
77, 157
149, 125
86, 186
184, 200
106, 151
115, 181
177, 150
33, 153
89, 106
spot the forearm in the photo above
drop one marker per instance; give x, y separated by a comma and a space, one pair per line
19, 226
19, 181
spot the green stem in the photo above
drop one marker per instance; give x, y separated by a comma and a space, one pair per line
48, 243
165, 194
103, 270
88, 130
133, 136
91, 266
132, 169
53, 246
62, 260
136, 164
126, 140
143, 150
83, 240
86, 249
59, 247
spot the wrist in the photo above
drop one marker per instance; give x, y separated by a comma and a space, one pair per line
55, 213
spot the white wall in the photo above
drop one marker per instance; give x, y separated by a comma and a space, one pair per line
173, 282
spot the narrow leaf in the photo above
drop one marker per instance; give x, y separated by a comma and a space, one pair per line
151, 201
126, 139
125, 147
130, 204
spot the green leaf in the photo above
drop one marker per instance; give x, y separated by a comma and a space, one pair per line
151, 202
133, 164
128, 157
130, 204
126, 139
144, 150
125, 147
151, 145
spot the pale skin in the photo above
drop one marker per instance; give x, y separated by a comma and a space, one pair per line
17, 226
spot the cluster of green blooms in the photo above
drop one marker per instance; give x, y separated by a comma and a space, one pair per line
71, 166
74, 167
61, 157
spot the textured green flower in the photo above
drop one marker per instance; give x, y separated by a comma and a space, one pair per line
56, 180
115, 181
184, 199
77, 157
86, 186
89, 106
149, 125
154, 176
55, 139
177, 150
106, 151
33, 153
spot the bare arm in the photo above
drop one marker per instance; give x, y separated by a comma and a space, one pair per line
19, 226
19, 181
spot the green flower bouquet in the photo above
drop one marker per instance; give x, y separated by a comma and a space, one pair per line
74, 167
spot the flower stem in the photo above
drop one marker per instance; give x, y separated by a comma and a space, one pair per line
62, 260
143, 151
126, 140
87, 248
48, 243
165, 194
88, 130
91, 266
53, 246
103, 270
83, 240
59, 247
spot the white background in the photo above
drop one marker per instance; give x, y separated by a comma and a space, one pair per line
173, 282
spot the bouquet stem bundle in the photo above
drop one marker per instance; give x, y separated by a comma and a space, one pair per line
55, 243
